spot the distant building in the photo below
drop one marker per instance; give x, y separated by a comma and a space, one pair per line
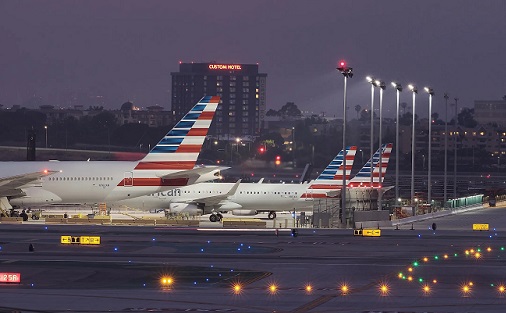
490, 112
153, 116
242, 90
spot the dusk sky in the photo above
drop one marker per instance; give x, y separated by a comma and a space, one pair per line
125, 50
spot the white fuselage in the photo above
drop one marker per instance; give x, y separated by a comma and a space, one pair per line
248, 196
87, 181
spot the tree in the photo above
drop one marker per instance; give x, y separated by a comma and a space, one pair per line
290, 109
466, 118
272, 112
358, 108
403, 106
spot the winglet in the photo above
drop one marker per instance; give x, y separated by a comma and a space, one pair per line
232, 190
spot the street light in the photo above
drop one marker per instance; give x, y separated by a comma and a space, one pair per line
237, 141
371, 81
398, 88
381, 86
455, 151
293, 146
430, 91
414, 91
445, 197
45, 127
347, 72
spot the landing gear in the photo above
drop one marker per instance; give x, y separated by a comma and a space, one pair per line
215, 217
272, 215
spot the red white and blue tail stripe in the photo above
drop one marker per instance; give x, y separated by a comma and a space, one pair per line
334, 171
363, 177
332, 176
180, 148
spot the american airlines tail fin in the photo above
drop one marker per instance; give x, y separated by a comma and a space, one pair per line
180, 147
334, 171
331, 178
363, 177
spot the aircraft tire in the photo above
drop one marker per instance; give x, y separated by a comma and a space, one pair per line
213, 218
272, 215
220, 217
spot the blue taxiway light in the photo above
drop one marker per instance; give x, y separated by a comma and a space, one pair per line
115, 248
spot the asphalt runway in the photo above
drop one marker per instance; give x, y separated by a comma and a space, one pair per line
125, 272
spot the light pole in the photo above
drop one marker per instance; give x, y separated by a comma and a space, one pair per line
455, 151
381, 86
347, 73
445, 196
237, 141
293, 146
45, 127
430, 91
371, 81
414, 91
398, 88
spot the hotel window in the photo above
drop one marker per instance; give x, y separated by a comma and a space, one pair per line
232, 84
245, 78
245, 102
231, 101
233, 77
245, 84
245, 90
219, 77
232, 89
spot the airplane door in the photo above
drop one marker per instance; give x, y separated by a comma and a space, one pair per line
129, 179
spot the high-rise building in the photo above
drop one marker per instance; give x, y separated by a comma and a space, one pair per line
242, 90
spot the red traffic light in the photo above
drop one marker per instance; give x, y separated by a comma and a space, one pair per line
261, 150
278, 158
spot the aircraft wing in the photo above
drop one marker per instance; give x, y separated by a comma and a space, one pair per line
12, 185
214, 200
196, 172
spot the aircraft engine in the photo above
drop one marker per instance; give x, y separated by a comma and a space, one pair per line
191, 209
244, 212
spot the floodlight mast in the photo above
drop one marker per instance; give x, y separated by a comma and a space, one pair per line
347, 73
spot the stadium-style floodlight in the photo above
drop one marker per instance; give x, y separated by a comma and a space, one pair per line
347, 73
430, 91
371, 81
398, 89
381, 85
414, 90
445, 196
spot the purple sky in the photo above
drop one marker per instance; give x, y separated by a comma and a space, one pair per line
125, 50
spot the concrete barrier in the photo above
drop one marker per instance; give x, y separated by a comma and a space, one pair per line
193, 223
11, 220
55, 220
133, 222
74, 220
245, 223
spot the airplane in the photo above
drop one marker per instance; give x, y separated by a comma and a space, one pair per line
240, 199
170, 164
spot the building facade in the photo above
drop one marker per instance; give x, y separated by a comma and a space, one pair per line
242, 90
490, 112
